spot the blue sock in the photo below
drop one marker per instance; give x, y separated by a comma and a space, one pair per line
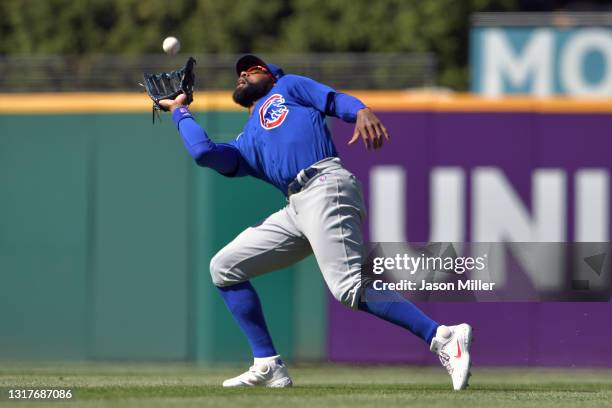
243, 302
392, 307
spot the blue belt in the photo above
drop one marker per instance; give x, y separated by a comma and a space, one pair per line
297, 185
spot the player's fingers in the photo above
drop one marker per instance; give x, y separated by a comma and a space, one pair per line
380, 141
382, 131
364, 137
355, 137
181, 99
365, 131
372, 135
379, 135
359, 134
367, 138
385, 132
166, 103
374, 139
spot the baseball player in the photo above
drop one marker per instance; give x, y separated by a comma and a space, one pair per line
287, 143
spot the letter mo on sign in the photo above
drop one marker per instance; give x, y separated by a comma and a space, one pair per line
542, 61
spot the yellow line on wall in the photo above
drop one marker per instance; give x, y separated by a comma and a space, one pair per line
418, 101
113, 102
35, 103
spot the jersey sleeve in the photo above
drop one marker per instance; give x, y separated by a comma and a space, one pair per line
345, 107
225, 158
324, 98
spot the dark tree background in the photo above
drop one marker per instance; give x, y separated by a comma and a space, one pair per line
271, 26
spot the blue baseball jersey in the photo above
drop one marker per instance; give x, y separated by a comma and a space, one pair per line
286, 132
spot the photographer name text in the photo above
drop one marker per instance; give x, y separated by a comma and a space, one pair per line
402, 285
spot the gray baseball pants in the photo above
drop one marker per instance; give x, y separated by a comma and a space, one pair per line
324, 218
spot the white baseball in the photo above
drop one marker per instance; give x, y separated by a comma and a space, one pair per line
171, 45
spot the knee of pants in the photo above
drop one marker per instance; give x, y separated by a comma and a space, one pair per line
348, 295
220, 270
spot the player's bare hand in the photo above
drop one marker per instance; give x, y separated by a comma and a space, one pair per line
172, 104
370, 129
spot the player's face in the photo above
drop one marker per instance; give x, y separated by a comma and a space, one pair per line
251, 85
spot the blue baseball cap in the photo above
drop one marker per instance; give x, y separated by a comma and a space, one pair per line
249, 60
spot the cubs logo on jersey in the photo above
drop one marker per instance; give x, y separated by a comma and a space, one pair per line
273, 112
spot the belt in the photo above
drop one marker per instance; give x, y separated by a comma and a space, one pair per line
300, 181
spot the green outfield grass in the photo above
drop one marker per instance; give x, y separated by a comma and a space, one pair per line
170, 385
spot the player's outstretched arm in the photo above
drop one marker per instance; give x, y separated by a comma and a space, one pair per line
341, 105
222, 157
370, 129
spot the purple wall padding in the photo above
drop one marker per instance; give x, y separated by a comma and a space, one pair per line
536, 334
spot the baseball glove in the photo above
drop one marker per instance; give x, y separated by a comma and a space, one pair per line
169, 85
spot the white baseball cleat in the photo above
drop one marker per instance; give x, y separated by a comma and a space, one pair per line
452, 345
263, 374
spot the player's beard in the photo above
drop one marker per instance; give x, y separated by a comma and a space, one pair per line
248, 94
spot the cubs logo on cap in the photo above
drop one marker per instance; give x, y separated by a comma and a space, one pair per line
273, 112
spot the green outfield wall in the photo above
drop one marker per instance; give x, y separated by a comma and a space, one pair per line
106, 232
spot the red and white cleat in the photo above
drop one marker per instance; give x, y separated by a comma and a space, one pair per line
452, 345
